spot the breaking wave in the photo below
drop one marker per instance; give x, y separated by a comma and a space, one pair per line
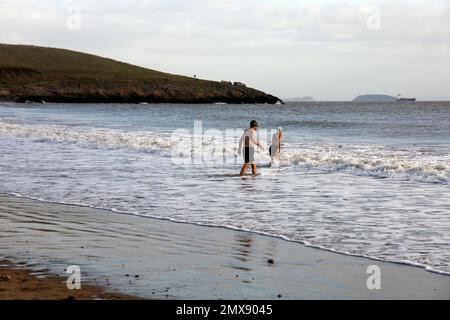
380, 161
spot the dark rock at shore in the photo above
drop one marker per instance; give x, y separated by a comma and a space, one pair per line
103, 91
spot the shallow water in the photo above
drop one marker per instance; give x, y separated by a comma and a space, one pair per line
157, 259
369, 180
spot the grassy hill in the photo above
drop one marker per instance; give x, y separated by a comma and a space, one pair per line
38, 73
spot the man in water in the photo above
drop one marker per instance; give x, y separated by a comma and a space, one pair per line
249, 141
275, 148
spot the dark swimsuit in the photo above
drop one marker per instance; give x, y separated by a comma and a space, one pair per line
249, 154
249, 151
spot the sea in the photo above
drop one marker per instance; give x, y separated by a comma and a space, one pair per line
363, 179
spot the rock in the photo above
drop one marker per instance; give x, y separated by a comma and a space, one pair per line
270, 261
5, 277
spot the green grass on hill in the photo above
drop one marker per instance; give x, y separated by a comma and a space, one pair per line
67, 63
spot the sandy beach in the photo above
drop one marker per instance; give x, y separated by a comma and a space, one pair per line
20, 283
184, 153
151, 258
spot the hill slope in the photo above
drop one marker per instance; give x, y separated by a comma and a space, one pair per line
58, 75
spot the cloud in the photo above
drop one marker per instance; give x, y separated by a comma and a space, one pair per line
252, 40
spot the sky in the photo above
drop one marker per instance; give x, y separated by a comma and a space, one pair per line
330, 50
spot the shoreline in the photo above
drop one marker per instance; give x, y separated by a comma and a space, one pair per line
151, 101
227, 228
174, 260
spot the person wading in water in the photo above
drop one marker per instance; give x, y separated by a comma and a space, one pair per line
249, 141
275, 148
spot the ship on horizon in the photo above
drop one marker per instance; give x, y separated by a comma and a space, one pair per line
399, 99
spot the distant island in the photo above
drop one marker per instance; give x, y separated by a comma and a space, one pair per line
375, 98
36, 74
302, 99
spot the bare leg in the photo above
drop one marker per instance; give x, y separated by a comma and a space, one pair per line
244, 169
254, 171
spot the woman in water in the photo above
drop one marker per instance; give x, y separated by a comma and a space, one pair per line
275, 148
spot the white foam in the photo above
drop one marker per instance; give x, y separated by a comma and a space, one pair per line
376, 161
88, 137
243, 229
361, 160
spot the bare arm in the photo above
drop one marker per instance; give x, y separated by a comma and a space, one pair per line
254, 140
280, 138
241, 141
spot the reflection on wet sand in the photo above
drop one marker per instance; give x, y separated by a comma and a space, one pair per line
241, 248
245, 255
241, 252
164, 260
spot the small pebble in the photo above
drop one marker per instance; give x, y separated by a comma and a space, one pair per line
5, 278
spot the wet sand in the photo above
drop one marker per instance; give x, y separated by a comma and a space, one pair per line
19, 283
152, 258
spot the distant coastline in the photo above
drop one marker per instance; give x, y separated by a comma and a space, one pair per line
302, 99
40, 74
375, 98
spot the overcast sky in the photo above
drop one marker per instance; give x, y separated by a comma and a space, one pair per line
331, 50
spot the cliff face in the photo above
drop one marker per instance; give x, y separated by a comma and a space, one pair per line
131, 91
56, 75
